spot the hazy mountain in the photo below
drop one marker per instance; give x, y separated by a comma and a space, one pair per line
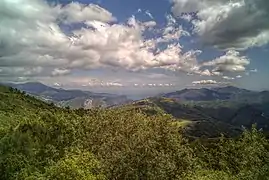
194, 95
228, 93
71, 98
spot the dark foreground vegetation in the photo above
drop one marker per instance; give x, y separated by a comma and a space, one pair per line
40, 141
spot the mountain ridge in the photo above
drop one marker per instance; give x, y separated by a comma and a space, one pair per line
229, 93
72, 98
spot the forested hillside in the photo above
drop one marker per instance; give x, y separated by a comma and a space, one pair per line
41, 141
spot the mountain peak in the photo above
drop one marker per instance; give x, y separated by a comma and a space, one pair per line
32, 87
204, 94
230, 89
227, 87
33, 83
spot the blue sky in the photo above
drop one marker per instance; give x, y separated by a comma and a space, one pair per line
135, 46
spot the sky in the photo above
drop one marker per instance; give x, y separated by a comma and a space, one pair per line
135, 46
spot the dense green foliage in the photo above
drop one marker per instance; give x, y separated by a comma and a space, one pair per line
41, 141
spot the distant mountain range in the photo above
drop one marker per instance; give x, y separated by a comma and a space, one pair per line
72, 98
228, 93
205, 112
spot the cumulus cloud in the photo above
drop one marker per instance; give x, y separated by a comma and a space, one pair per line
150, 85
77, 12
216, 73
60, 72
149, 24
172, 30
71, 81
100, 83
205, 82
231, 61
206, 73
209, 82
34, 42
187, 17
228, 78
32, 37
57, 84
227, 24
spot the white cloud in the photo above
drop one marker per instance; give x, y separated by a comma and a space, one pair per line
152, 85
57, 84
187, 17
95, 82
209, 82
60, 72
253, 70
150, 24
206, 73
113, 84
228, 78
205, 82
171, 21
216, 73
238, 76
229, 62
149, 14
34, 44
227, 24
81, 81
172, 33
37, 40
76, 12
